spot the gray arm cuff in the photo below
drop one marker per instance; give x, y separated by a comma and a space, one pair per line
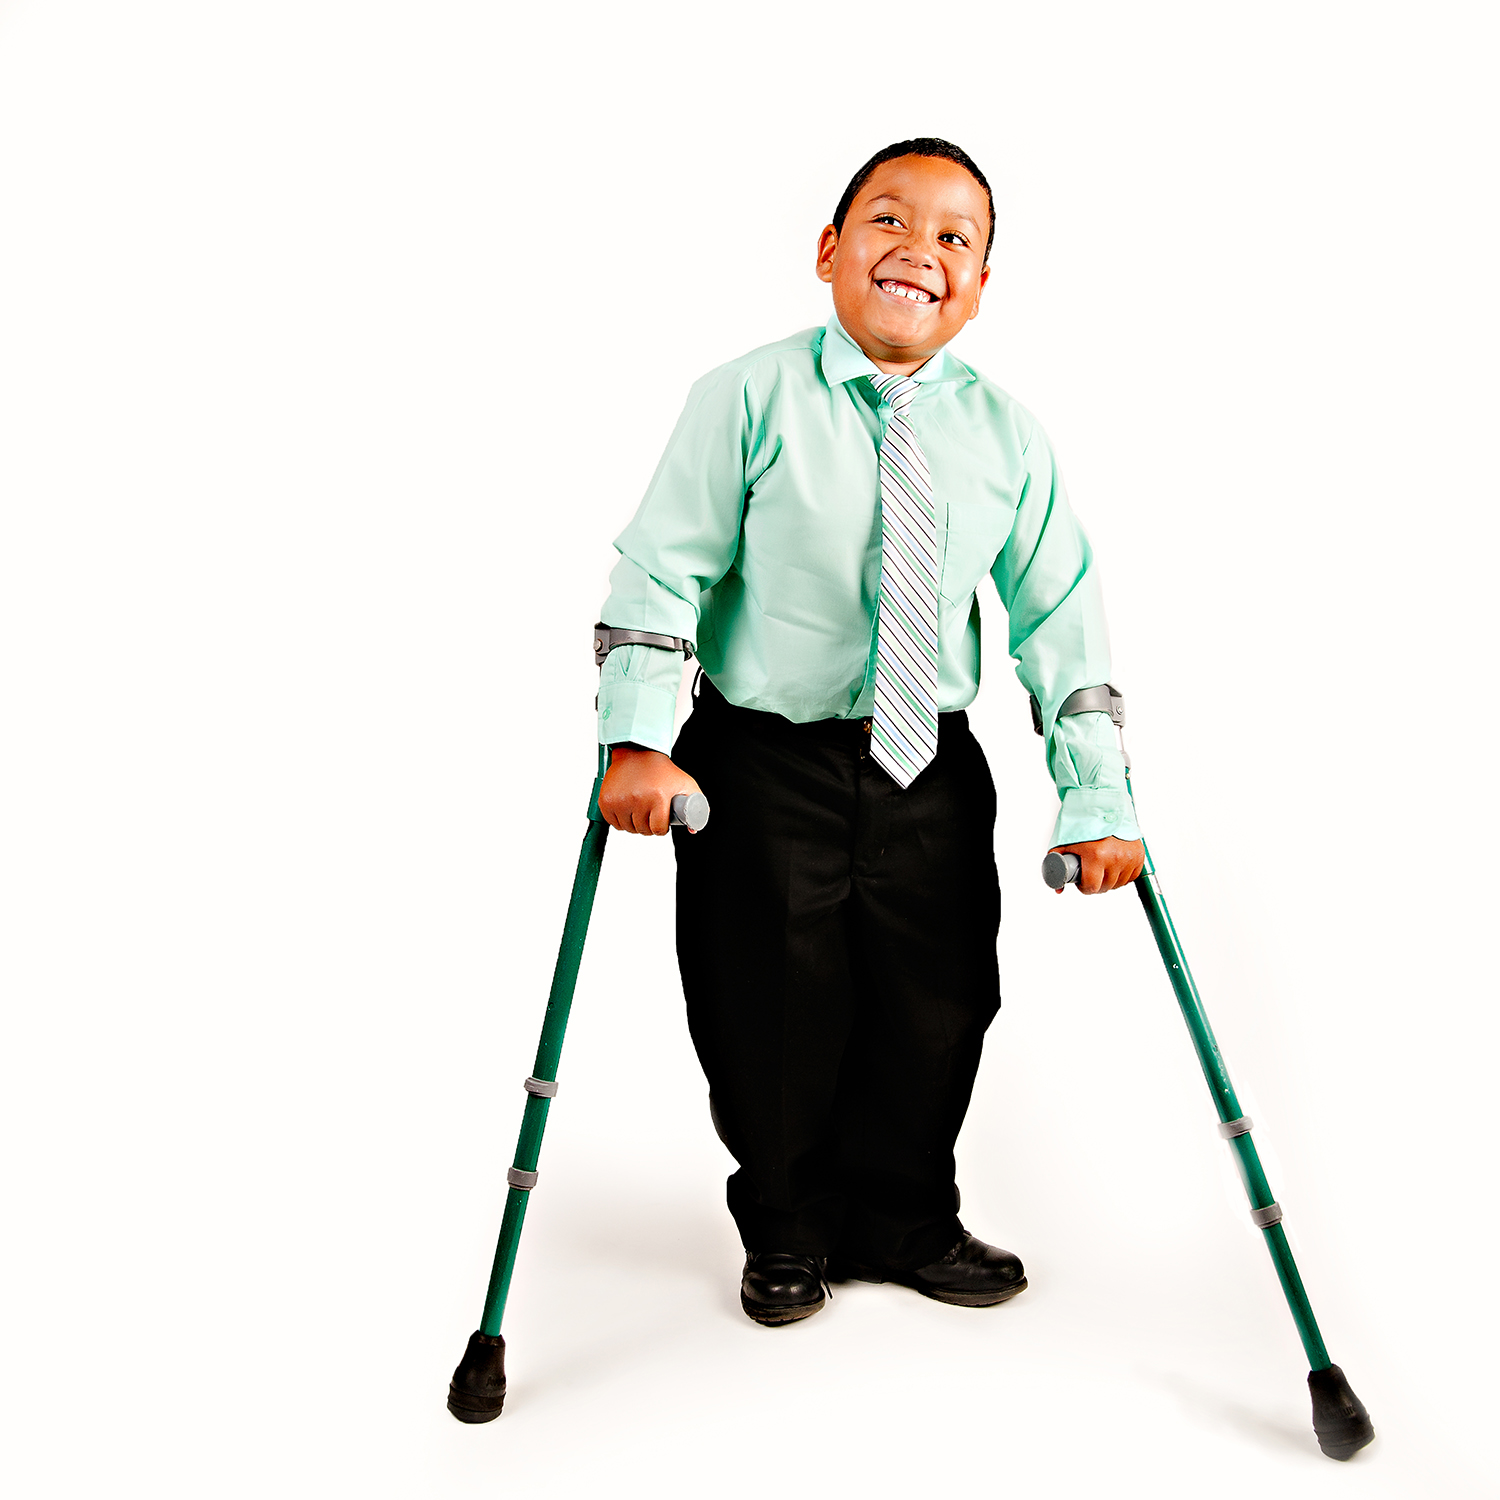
608, 637
1102, 700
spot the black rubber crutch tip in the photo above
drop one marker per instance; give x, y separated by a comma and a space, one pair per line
477, 1391
1340, 1420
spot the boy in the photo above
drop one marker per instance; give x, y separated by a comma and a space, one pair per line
816, 530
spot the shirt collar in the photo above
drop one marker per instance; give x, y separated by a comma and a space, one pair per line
843, 360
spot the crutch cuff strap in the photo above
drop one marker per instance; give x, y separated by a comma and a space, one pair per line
608, 637
1264, 1218
543, 1088
1231, 1128
518, 1177
1103, 699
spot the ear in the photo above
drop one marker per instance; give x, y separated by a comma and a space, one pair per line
828, 242
984, 276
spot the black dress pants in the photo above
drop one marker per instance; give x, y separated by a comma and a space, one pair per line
836, 937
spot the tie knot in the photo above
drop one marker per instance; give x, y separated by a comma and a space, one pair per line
897, 391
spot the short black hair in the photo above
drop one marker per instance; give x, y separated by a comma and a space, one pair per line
923, 145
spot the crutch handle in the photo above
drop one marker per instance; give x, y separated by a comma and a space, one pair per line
1059, 870
689, 810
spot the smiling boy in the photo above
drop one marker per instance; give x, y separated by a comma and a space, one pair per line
817, 528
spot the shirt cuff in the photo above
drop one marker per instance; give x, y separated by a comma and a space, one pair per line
1089, 813
638, 697
638, 713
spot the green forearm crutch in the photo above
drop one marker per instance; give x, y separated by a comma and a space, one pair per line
477, 1391
1340, 1420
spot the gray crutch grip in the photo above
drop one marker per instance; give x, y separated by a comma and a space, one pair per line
690, 811
1059, 870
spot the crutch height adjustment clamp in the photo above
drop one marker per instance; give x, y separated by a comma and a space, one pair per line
543, 1088
1264, 1218
1231, 1128
518, 1177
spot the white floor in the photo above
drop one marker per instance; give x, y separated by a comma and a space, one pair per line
285, 1294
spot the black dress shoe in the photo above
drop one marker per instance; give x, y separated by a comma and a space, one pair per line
971, 1274
781, 1288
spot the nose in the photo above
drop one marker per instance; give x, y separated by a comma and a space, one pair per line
917, 253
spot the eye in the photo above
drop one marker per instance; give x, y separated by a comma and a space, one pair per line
956, 237
887, 219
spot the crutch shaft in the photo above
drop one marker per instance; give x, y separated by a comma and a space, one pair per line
1216, 1075
548, 1054
1340, 1421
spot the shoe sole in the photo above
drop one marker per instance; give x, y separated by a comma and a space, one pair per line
953, 1299
778, 1317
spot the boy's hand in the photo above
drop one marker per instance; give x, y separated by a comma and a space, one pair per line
638, 789
1105, 864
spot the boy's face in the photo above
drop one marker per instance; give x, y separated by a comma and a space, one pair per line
907, 270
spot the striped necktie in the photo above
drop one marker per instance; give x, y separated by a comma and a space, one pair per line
903, 733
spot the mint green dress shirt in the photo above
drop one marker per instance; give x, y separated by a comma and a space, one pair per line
759, 541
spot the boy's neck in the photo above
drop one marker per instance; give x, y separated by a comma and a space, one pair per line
890, 361
887, 368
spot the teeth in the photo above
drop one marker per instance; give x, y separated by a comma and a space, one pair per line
912, 293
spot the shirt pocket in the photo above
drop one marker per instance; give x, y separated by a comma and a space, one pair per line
975, 535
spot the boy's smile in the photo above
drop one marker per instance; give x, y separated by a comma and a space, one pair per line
908, 267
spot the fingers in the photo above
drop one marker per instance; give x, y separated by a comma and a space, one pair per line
1110, 872
1093, 867
637, 793
1126, 869
1107, 864
1131, 858
645, 813
631, 808
648, 813
659, 818
628, 814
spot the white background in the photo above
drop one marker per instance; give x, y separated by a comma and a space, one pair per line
336, 342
